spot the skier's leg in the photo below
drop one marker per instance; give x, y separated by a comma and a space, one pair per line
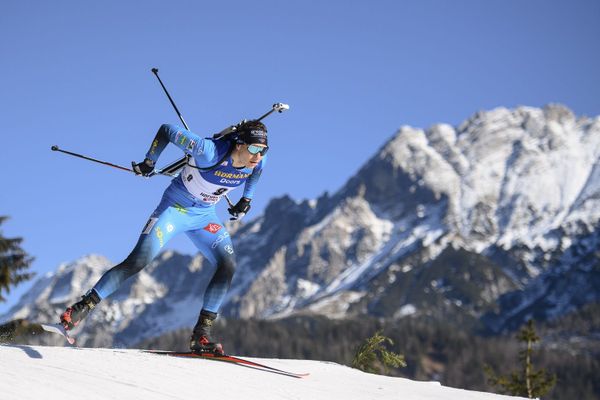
215, 244
218, 250
159, 229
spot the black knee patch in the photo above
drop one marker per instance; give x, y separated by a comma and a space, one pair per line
225, 270
134, 263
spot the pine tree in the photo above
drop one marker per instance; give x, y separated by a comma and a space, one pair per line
367, 355
14, 261
528, 382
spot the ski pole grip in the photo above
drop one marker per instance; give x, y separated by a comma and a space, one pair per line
54, 148
280, 107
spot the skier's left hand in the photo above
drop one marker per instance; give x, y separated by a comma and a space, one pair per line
240, 209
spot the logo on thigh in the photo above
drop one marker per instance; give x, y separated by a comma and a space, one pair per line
221, 237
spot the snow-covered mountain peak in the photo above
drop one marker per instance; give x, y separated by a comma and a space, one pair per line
91, 262
509, 175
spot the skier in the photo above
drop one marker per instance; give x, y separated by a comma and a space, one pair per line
215, 166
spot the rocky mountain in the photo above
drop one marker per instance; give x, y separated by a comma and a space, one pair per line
485, 224
494, 220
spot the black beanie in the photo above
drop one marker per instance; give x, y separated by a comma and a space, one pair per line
253, 132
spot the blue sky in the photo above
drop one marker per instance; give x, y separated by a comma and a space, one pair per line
77, 74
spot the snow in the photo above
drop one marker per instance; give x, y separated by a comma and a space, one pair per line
336, 305
36, 372
510, 175
306, 288
405, 311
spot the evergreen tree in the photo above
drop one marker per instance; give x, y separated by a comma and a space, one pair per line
13, 262
528, 382
367, 355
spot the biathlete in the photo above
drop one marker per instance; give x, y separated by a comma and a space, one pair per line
214, 168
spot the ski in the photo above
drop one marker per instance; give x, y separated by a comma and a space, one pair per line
227, 358
60, 330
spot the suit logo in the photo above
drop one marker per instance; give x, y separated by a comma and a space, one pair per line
212, 228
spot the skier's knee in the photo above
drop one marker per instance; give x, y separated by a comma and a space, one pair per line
134, 264
226, 268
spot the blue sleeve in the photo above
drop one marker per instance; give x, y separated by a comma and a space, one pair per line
253, 179
187, 141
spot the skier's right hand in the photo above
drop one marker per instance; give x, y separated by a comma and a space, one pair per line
240, 209
145, 168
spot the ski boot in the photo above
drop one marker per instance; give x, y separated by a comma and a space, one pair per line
200, 342
78, 311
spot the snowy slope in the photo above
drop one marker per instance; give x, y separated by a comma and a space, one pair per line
93, 374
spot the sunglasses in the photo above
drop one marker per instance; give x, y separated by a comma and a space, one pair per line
253, 149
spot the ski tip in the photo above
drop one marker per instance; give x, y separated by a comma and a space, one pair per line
60, 330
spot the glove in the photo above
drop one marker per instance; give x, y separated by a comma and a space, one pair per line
145, 168
240, 209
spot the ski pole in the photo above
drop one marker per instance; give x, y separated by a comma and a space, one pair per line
155, 72
172, 168
56, 148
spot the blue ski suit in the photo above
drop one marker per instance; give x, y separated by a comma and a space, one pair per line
188, 205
